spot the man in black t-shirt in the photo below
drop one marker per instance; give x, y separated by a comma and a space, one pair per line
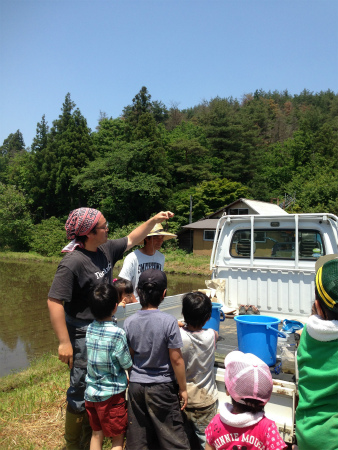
89, 261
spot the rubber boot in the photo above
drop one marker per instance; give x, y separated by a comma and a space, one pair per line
73, 430
86, 433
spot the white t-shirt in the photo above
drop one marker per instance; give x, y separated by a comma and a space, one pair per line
136, 263
198, 352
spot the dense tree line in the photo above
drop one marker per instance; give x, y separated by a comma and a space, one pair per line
268, 145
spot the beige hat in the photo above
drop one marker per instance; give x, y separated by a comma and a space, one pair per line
324, 259
159, 231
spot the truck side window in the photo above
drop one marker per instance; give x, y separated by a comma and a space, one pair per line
277, 244
310, 244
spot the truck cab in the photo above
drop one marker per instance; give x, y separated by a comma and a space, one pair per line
269, 261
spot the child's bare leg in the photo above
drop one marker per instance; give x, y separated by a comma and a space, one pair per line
117, 442
97, 440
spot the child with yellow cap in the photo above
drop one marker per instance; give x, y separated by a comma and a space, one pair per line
317, 411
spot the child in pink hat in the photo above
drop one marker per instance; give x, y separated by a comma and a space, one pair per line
243, 425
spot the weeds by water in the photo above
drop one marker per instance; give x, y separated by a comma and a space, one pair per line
28, 256
187, 263
176, 261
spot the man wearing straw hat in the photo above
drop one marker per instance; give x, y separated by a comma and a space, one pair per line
147, 257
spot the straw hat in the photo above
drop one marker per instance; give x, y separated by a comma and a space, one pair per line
159, 231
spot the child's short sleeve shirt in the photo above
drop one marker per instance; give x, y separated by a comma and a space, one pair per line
198, 352
137, 262
151, 333
263, 435
108, 358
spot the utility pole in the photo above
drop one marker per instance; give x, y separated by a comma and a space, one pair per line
191, 231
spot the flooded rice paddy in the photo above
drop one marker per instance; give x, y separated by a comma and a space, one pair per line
25, 330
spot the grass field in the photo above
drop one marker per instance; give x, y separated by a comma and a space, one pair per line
32, 406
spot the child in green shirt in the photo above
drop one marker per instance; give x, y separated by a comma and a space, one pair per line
317, 411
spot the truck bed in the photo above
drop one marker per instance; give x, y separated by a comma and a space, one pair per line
281, 407
227, 342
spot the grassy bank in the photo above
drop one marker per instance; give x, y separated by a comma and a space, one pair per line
175, 261
32, 406
28, 256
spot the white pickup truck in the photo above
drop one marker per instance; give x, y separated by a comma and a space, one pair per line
268, 262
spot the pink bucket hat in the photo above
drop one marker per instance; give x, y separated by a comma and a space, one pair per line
247, 377
81, 221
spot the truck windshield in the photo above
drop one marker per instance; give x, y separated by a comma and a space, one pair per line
278, 244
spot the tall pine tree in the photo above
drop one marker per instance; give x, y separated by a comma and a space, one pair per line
69, 148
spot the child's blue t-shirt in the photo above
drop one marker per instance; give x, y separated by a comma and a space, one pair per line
150, 333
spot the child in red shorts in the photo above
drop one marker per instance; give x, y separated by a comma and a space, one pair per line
106, 380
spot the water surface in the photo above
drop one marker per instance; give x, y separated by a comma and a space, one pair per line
25, 329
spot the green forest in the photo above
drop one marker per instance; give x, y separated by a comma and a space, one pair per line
265, 146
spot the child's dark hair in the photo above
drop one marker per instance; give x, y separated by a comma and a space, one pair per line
103, 300
196, 309
252, 405
328, 313
123, 286
150, 294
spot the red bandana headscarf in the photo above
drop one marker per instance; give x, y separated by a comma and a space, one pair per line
81, 221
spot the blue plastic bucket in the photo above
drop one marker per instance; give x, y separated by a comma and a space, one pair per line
217, 316
258, 335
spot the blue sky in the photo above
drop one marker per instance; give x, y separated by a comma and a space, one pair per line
183, 51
